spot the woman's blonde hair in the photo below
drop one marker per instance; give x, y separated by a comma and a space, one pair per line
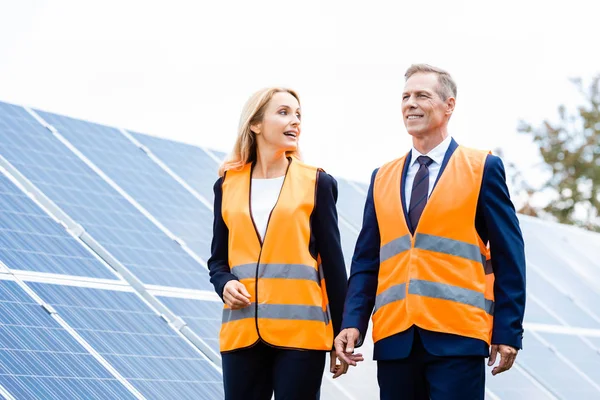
244, 150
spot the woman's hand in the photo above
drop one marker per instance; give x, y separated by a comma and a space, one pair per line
337, 369
235, 295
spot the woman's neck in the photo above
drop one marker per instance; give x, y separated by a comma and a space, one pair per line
270, 165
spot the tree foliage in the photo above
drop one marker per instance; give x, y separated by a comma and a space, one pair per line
571, 149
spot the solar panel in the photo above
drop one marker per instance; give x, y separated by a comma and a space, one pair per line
157, 361
202, 316
39, 359
143, 179
559, 303
580, 351
191, 163
549, 367
515, 384
112, 220
31, 240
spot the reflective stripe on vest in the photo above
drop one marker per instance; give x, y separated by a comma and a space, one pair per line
441, 278
288, 294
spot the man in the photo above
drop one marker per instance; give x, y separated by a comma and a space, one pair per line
433, 219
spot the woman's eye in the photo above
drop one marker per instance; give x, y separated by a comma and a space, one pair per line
299, 116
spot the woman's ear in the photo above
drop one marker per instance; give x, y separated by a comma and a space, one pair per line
256, 128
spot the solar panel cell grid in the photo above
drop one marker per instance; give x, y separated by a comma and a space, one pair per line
140, 177
31, 240
136, 341
114, 222
39, 359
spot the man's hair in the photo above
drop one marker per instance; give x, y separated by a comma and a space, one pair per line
446, 85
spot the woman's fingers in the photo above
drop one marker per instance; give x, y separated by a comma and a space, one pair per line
236, 295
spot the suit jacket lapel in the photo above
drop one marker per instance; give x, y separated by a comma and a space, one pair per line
449, 152
402, 186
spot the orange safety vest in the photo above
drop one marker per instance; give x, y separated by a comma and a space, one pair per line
440, 278
289, 306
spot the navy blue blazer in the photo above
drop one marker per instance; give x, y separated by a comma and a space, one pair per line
324, 240
496, 221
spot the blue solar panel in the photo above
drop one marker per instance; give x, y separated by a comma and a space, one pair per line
559, 303
143, 179
114, 222
39, 359
203, 317
135, 341
579, 351
544, 363
514, 385
191, 163
537, 313
30, 240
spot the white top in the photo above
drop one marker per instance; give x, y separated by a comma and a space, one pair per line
262, 200
437, 155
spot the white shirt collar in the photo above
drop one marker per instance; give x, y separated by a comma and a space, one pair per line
436, 154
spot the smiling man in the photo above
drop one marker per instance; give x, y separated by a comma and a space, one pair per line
439, 262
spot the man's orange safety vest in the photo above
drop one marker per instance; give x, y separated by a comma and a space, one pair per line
289, 306
440, 278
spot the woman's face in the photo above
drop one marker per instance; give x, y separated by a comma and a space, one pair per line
279, 130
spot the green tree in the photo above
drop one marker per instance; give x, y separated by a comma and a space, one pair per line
571, 149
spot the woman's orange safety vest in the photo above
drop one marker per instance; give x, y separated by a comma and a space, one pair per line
289, 306
440, 278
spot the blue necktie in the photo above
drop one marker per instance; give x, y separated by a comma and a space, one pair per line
420, 191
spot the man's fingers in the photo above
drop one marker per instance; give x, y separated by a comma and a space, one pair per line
493, 353
356, 357
339, 344
350, 342
507, 359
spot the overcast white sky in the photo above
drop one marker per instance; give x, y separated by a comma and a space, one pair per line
183, 69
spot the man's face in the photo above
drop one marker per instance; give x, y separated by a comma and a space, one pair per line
423, 109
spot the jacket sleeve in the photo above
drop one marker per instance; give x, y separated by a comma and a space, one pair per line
498, 220
327, 238
362, 286
218, 263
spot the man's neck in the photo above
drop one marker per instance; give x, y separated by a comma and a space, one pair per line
270, 164
424, 144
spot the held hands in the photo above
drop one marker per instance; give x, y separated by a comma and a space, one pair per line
508, 354
235, 295
344, 348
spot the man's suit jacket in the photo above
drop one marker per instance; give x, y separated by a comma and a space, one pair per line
496, 221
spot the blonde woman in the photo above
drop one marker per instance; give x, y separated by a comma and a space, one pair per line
276, 258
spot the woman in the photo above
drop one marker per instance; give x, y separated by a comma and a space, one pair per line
276, 258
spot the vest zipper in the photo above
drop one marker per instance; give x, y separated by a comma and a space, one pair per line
261, 241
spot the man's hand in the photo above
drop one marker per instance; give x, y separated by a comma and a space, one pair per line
344, 346
235, 295
508, 354
337, 369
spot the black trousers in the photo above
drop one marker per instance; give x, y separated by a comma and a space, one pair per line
424, 376
256, 372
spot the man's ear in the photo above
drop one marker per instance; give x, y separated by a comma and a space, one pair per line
256, 128
450, 104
